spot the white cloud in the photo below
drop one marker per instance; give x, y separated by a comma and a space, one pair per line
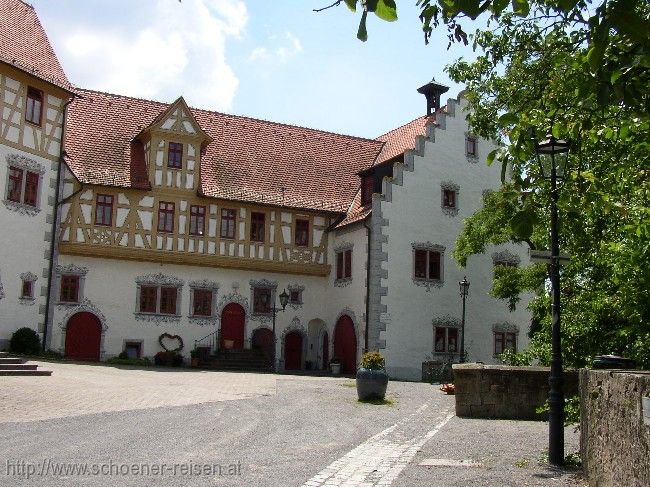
289, 46
171, 49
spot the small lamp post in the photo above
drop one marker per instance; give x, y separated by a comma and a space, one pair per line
552, 159
464, 290
284, 299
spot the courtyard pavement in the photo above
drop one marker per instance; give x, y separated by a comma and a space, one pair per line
97, 425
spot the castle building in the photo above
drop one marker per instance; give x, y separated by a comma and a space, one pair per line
184, 225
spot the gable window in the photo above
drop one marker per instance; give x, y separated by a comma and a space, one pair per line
34, 106
197, 220
69, 292
257, 226
504, 341
446, 339
471, 146
23, 186
448, 198
302, 233
344, 264
148, 299
228, 219
104, 210
367, 188
202, 302
262, 300
175, 155
427, 264
168, 300
166, 217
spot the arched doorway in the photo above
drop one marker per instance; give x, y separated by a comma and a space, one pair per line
233, 320
263, 340
293, 351
325, 350
83, 337
345, 344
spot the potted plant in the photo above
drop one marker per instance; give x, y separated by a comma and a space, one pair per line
335, 366
195, 354
372, 379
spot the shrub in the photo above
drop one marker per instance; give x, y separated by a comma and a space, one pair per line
52, 354
169, 359
373, 361
145, 361
25, 340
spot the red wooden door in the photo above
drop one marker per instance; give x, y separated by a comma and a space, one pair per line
82, 337
326, 350
233, 318
345, 344
293, 351
263, 340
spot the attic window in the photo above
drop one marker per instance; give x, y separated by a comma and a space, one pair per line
367, 188
34, 106
175, 155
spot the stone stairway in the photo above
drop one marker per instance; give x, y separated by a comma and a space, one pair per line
239, 360
17, 366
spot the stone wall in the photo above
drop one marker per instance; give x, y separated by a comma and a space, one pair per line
615, 441
504, 392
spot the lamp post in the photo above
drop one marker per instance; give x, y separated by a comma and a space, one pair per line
553, 169
284, 299
464, 289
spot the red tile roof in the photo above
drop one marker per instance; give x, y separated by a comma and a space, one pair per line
356, 212
248, 160
402, 138
24, 44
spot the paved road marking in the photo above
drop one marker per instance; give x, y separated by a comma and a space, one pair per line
381, 458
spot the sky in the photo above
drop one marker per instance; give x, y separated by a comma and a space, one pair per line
275, 60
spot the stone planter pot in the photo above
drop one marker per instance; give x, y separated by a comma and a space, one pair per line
371, 384
335, 368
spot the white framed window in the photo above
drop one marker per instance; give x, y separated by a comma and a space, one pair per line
158, 297
70, 284
203, 300
428, 264
23, 186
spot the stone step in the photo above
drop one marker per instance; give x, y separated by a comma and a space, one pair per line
12, 360
26, 372
18, 366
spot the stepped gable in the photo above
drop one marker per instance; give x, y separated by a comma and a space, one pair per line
24, 44
248, 160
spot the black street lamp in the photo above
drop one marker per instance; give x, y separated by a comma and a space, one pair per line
464, 289
284, 299
553, 169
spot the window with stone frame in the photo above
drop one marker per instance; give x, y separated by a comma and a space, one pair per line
257, 226
202, 302
104, 210
27, 287
446, 339
228, 222
427, 264
504, 341
344, 264
148, 299
197, 220
69, 290
23, 186
168, 297
471, 146
158, 297
448, 198
34, 106
175, 155
295, 295
262, 300
302, 233
133, 349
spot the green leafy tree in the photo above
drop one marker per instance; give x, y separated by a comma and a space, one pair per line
581, 68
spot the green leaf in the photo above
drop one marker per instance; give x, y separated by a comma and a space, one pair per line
504, 169
521, 8
595, 57
352, 4
491, 156
567, 5
522, 224
470, 7
386, 10
362, 33
615, 75
507, 119
498, 6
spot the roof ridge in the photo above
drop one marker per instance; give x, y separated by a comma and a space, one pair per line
244, 117
402, 126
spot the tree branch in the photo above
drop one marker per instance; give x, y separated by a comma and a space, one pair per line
335, 4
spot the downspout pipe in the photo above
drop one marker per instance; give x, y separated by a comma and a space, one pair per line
368, 239
55, 225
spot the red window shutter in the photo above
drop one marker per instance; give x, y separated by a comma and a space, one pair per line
498, 343
202, 302
148, 298
14, 191
31, 188
257, 227
367, 188
440, 339
434, 265
168, 300
69, 289
27, 289
452, 340
348, 263
420, 259
302, 233
339, 265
